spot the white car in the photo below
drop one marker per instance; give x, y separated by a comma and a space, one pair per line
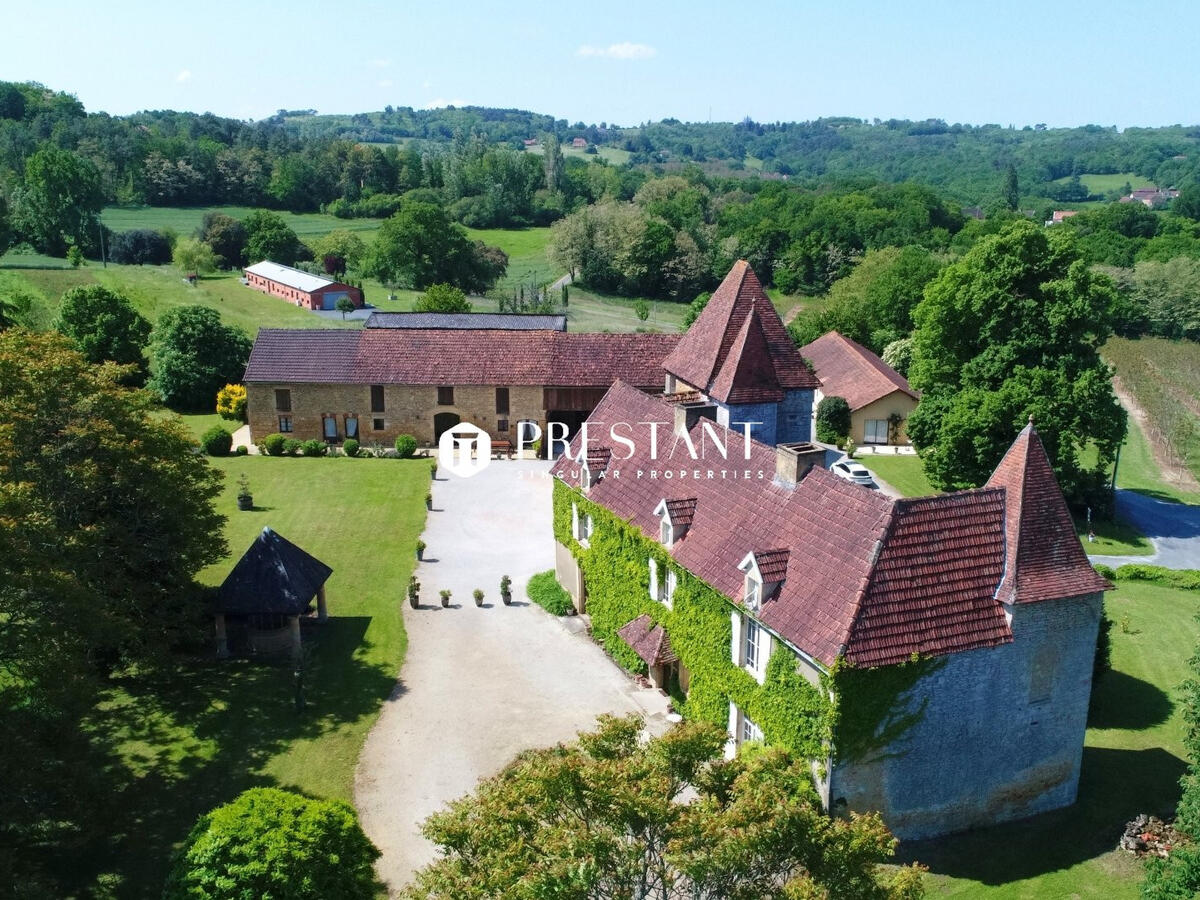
853, 471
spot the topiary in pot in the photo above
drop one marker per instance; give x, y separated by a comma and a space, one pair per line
421, 549
245, 500
445, 595
433, 470
506, 590
478, 595
429, 500
414, 592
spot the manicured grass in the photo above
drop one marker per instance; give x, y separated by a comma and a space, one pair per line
1102, 184
177, 745
591, 311
184, 220
198, 423
528, 263
904, 473
1132, 761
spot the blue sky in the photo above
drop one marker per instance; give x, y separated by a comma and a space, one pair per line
1014, 62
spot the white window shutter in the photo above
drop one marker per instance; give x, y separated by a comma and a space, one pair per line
653, 578
575, 521
735, 645
672, 581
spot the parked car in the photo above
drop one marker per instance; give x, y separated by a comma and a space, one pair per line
852, 471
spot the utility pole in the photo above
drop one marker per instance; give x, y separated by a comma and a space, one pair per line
103, 255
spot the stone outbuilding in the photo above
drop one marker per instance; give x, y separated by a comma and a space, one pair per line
261, 602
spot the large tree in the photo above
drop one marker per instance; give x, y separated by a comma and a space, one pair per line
607, 817
106, 515
195, 355
442, 298
226, 236
420, 246
1011, 330
105, 327
58, 203
268, 237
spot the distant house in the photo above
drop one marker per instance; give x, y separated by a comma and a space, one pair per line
531, 142
973, 212
1152, 197
880, 398
1057, 217
579, 143
468, 321
301, 288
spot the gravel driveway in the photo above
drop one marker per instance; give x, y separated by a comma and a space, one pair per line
480, 684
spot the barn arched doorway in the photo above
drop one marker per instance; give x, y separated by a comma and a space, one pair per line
443, 422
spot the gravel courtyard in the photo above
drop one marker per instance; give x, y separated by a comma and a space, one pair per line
480, 684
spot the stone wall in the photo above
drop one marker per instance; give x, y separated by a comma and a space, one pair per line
1000, 732
784, 422
408, 409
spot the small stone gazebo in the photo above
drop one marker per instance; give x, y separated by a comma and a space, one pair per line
652, 645
260, 603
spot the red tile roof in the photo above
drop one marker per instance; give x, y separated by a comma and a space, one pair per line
681, 512
700, 356
648, 640
865, 577
435, 356
849, 370
748, 374
1044, 558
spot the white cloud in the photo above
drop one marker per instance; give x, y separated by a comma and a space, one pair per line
442, 102
184, 75
623, 50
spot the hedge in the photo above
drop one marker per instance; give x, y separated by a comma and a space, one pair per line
216, 441
546, 592
1183, 579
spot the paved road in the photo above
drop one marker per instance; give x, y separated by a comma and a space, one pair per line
480, 684
1173, 529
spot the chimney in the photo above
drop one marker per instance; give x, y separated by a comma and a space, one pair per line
792, 461
688, 414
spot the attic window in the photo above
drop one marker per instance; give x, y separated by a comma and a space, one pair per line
675, 519
752, 592
666, 532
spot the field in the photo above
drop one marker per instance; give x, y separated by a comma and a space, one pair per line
1163, 377
1102, 184
178, 746
1132, 760
613, 155
184, 220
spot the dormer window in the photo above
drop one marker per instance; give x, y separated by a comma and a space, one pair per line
675, 519
765, 572
752, 593
593, 465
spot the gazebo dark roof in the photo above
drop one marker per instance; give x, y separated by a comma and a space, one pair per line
273, 576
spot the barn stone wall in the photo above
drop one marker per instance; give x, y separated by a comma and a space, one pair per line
1001, 734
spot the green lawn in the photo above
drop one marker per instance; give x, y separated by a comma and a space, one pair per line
591, 311
184, 220
1138, 471
528, 263
1102, 184
175, 747
906, 474
1132, 761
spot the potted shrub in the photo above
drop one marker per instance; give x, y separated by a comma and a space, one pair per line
506, 590
414, 592
433, 470
478, 594
245, 500
429, 499
421, 549
445, 595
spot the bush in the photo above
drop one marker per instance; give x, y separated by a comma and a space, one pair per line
406, 446
216, 441
291, 447
833, 420
273, 444
231, 402
140, 246
350, 447
313, 448
274, 843
1184, 579
546, 592
241, 450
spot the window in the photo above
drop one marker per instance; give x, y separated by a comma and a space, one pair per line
502, 401
285, 424
283, 400
750, 730
445, 396
352, 426
502, 425
329, 427
752, 645
377, 398
876, 431
665, 532
377, 424
585, 527
752, 594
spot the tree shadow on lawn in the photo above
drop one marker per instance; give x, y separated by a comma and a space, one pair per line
1122, 701
181, 742
1114, 786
